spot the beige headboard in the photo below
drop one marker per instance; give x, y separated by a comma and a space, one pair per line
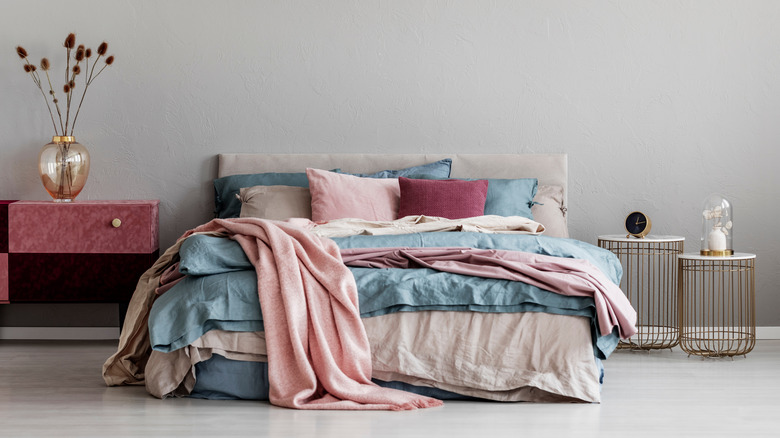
549, 169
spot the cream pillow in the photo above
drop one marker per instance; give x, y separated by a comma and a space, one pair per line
275, 202
550, 211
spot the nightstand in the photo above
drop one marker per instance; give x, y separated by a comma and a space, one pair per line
650, 283
83, 251
717, 301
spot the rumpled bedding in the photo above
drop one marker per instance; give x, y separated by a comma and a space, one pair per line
203, 302
492, 298
320, 356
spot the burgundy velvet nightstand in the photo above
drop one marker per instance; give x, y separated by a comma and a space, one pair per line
84, 251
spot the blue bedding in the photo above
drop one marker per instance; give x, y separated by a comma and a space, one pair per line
203, 255
220, 291
217, 380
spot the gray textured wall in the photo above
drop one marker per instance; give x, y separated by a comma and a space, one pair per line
657, 103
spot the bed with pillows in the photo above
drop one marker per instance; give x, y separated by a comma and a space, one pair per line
468, 286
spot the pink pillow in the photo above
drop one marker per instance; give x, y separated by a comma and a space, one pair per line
338, 196
450, 198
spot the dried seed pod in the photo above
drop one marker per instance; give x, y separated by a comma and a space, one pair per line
110, 60
66, 88
45, 64
70, 41
76, 69
88, 53
102, 48
21, 52
80, 54
27, 68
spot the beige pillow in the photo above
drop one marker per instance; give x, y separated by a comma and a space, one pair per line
550, 211
275, 202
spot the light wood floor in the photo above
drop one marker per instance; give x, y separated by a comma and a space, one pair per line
55, 389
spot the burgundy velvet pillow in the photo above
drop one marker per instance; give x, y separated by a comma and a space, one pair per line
449, 198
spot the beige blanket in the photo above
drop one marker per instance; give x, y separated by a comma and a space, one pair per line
505, 357
423, 224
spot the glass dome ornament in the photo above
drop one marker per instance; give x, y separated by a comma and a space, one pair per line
716, 227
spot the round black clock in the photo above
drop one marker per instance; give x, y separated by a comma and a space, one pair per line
638, 224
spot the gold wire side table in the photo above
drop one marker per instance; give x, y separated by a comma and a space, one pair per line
650, 283
717, 301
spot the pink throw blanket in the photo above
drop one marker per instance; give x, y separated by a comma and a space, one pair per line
318, 351
565, 276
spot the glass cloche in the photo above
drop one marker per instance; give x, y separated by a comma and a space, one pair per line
716, 227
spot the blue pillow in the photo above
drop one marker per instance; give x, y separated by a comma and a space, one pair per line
510, 197
437, 170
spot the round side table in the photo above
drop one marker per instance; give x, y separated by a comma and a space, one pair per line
717, 301
650, 283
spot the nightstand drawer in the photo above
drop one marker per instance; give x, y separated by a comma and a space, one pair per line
64, 277
3, 278
83, 227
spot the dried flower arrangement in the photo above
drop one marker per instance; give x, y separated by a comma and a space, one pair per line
716, 237
718, 212
80, 55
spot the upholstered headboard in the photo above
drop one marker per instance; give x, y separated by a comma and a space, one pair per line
549, 169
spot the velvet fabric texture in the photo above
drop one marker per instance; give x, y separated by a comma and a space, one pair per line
451, 199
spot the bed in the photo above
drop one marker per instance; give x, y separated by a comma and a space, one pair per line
436, 324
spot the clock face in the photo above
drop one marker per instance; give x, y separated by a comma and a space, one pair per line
637, 224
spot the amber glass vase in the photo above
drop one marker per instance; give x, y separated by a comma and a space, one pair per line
64, 167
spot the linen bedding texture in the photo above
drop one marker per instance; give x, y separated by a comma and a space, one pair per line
128, 364
218, 292
463, 355
318, 352
187, 312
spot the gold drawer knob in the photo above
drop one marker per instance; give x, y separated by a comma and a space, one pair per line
116, 223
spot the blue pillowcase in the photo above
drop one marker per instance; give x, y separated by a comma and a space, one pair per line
511, 197
226, 188
437, 170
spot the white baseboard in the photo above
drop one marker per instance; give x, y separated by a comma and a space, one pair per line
767, 332
112, 333
60, 333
